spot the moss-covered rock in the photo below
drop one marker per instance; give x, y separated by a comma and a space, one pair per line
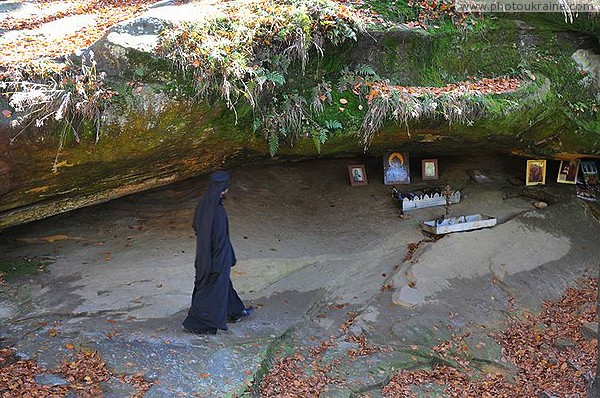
156, 130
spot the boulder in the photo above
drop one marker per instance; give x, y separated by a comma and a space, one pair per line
156, 131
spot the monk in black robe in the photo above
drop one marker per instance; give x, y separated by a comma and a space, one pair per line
214, 300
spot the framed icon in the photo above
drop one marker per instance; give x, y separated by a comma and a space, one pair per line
357, 175
536, 172
567, 173
429, 169
396, 168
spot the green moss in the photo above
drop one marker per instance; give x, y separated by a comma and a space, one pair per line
394, 11
583, 22
348, 114
433, 58
146, 68
443, 55
184, 139
14, 267
457, 57
191, 136
280, 347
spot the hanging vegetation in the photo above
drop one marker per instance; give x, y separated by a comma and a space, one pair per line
246, 52
68, 96
455, 103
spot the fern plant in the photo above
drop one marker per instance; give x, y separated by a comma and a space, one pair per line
246, 54
321, 134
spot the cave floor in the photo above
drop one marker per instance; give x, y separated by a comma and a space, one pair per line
320, 260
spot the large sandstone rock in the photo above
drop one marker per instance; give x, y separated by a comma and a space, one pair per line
156, 132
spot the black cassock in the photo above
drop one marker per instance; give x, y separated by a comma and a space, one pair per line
214, 299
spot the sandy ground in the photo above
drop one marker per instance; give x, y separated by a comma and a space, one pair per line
310, 247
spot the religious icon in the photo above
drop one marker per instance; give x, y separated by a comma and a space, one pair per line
429, 169
536, 172
590, 172
567, 173
396, 169
357, 174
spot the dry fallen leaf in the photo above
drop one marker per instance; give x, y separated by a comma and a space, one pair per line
386, 288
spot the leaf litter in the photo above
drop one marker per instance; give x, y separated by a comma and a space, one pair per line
310, 375
31, 47
549, 351
83, 375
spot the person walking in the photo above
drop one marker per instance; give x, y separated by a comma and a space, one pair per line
214, 300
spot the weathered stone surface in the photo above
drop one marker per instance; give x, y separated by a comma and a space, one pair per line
338, 350
113, 52
26, 9
116, 388
563, 344
4, 177
589, 330
47, 379
23, 356
53, 30
336, 392
408, 297
140, 35
149, 237
588, 62
6, 310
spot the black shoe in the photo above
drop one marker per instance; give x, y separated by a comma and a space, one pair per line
246, 312
201, 331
